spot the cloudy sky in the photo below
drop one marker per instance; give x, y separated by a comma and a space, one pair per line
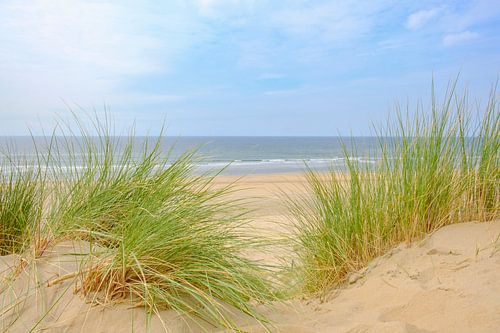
239, 67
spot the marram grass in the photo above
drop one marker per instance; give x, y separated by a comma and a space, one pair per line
20, 205
435, 170
163, 237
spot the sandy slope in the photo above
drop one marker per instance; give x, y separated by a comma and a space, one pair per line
449, 282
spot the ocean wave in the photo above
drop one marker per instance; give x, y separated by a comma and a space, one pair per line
236, 166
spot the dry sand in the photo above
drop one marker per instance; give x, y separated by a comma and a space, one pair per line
448, 282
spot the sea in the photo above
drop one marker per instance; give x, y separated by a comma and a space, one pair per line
237, 155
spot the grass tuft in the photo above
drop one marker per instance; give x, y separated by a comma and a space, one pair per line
435, 170
20, 205
161, 235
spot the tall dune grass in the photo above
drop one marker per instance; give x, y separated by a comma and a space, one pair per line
435, 170
162, 236
20, 205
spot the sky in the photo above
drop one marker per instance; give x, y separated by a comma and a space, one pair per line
239, 67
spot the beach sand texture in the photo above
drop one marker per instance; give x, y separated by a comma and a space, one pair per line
447, 282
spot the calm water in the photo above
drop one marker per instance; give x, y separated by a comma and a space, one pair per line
244, 155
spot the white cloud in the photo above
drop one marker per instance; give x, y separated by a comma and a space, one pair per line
87, 51
304, 32
94, 51
325, 22
79, 33
473, 13
421, 17
457, 38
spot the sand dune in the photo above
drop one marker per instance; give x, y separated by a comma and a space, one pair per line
448, 282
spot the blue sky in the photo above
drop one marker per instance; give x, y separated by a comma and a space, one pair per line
239, 67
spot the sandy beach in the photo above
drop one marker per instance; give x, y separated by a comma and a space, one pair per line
447, 282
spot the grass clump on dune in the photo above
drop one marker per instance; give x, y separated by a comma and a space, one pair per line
20, 206
162, 236
435, 170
